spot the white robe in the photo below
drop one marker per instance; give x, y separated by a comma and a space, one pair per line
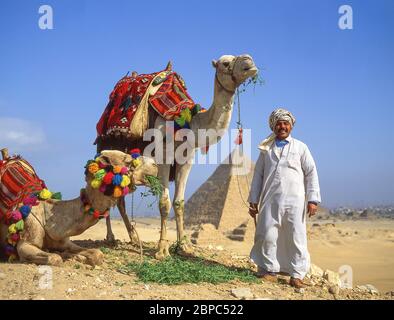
284, 180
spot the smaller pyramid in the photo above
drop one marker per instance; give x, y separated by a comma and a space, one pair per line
219, 207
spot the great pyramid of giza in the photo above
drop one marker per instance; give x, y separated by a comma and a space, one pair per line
219, 206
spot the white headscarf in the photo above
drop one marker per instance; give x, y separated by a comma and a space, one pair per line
276, 115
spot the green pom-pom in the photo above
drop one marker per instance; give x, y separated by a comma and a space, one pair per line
196, 109
20, 225
180, 121
57, 196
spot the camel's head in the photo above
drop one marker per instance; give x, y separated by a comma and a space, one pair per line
112, 171
139, 168
232, 71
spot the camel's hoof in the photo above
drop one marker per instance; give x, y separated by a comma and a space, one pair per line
164, 251
110, 239
54, 260
185, 249
94, 257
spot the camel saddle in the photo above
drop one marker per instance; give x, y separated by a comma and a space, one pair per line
127, 111
17, 181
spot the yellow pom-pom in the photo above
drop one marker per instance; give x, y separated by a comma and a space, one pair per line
125, 181
93, 167
117, 169
117, 192
136, 162
12, 229
12, 258
45, 194
95, 183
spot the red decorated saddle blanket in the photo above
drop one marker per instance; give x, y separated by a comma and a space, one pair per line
17, 180
165, 92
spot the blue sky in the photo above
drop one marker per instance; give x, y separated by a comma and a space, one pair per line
54, 84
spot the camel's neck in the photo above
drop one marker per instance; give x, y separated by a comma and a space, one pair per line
218, 116
68, 218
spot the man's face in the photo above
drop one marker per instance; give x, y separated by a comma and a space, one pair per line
282, 129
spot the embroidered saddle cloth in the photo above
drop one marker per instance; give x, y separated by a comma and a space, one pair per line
127, 109
17, 180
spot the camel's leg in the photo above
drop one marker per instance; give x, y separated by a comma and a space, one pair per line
71, 250
181, 176
129, 227
165, 207
110, 236
30, 253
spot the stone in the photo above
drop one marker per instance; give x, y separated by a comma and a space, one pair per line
242, 293
316, 271
332, 277
333, 290
372, 289
2, 276
299, 290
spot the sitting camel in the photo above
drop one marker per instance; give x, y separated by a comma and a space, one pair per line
51, 223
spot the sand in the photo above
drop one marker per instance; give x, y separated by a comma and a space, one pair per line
365, 245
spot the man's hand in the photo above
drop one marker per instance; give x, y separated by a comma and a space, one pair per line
253, 209
312, 209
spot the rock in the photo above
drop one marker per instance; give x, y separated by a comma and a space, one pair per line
332, 277
368, 288
372, 289
333, 290
299, 290
2, 276
316, 271
259, 298
146, 287
219, 248
242, 293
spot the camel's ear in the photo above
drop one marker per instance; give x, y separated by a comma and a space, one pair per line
214, 63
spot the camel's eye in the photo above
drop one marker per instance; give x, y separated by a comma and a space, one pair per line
226, 63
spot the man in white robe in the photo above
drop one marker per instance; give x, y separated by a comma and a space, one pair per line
285, 182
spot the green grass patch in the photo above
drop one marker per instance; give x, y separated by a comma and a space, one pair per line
177, 270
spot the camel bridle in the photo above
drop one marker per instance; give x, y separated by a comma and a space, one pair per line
230, 73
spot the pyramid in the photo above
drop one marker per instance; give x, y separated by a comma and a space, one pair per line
219, 207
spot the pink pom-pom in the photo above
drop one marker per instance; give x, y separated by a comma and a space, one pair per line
124, 170
16, 216
102, 165
126, 191
30, 201
15, 237
102, 188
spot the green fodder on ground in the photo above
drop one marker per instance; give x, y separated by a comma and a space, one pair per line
178, 270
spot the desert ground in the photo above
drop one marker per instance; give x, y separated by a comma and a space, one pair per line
365, 245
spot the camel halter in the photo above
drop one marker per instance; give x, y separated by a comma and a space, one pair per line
231, 73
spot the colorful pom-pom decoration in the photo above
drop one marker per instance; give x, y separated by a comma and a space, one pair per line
118, 192
117, 180
95, 184
108, 178
99, 175
124, 171
12, 228
16, 215
126, 191
25, 211
45, 194
125, 181
93, 167
20, 225
136, 162
117, 169
102, 188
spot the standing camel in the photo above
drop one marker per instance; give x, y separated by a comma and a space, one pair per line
231, 72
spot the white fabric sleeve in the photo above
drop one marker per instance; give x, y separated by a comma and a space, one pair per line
257, 183
312, 188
